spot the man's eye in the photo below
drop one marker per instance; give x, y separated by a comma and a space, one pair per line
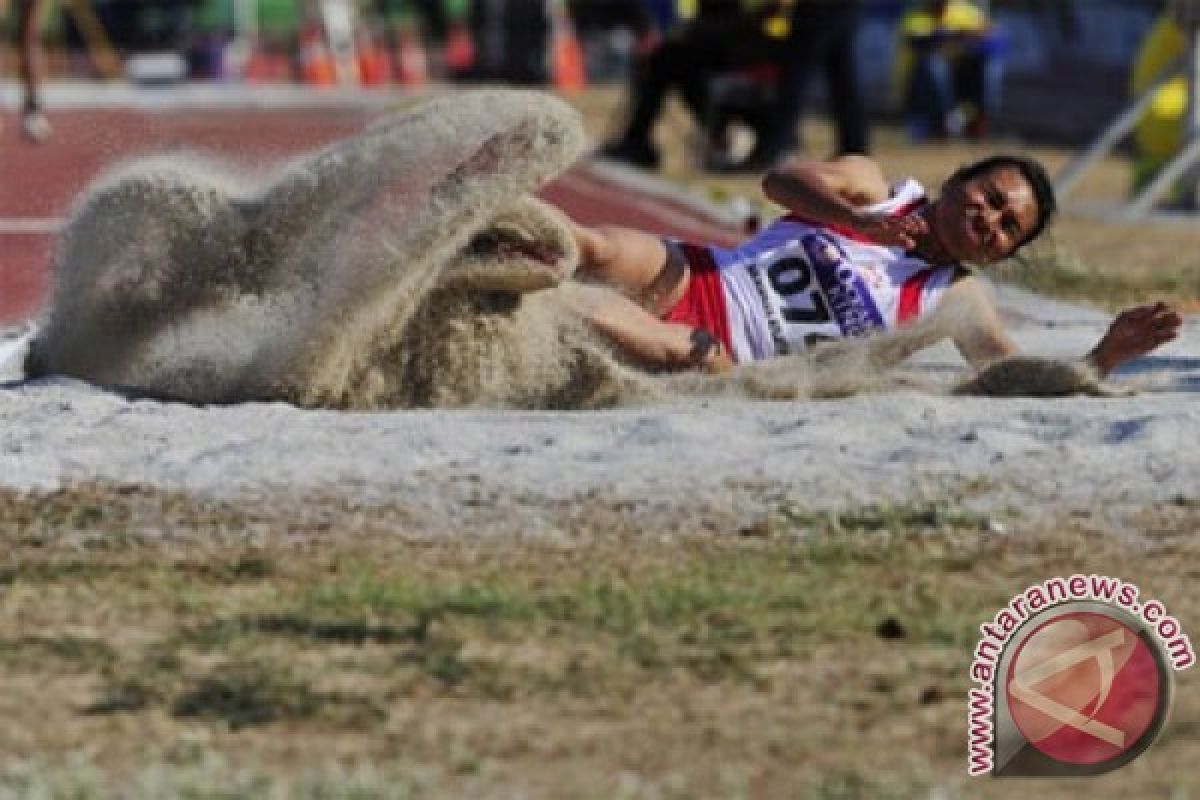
996, 199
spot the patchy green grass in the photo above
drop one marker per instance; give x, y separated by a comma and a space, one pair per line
251, 652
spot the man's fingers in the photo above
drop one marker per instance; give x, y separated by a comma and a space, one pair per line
1136, 314
1173, 330
1162, 338
891, 231
1166, 320
1146, 310
1172, 316
1155, 314
1154, 309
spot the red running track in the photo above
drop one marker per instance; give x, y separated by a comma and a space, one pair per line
38, 182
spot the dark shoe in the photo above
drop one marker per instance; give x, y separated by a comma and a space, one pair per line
637, 154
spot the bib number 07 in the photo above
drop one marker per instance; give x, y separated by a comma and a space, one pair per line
792, 278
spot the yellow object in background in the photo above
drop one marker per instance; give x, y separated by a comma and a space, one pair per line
961, 16
1159, 134
776, 24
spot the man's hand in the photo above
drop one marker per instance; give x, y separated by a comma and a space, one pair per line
1134, 333
891, 230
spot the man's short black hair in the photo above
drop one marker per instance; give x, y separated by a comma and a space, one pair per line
1034, 174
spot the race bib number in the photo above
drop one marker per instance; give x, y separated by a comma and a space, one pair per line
811, 292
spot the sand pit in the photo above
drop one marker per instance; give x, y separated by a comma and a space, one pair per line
686, 463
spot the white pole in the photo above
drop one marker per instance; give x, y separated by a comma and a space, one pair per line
245, 35
338, 16
245, 19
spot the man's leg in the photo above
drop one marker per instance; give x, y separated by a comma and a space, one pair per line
413, 186
643, 336
638, 263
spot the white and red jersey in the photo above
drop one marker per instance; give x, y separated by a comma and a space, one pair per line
798, 282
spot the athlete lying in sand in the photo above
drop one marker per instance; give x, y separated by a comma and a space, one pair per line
853, 255
409, 266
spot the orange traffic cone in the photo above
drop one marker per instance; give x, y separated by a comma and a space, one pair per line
316, 62
566, 55
412, 65
265, 65
460, 49
374, 62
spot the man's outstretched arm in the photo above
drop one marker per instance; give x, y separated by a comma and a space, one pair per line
979, 334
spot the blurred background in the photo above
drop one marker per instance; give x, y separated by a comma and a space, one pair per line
1073, 57
705, 93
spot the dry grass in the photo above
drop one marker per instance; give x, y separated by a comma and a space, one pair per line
1111, 264
154, 641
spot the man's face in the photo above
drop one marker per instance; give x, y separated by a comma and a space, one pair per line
984, 219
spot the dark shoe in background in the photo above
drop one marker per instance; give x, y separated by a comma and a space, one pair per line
756, 161
636, 154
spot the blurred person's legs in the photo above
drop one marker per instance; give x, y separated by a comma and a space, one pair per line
978, 77
685, 61
930, 96
511, 39
31, 68
845, 98
822, 34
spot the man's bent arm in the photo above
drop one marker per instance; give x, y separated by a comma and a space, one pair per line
827, 192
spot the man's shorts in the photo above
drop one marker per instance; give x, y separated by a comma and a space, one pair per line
703, 304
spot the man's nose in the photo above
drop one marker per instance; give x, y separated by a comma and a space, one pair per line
988, 220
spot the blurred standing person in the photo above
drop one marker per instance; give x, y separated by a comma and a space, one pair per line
949, 69
822, 35
30, 68
511, 41
722, 35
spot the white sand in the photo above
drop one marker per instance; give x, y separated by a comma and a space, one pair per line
736, 460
